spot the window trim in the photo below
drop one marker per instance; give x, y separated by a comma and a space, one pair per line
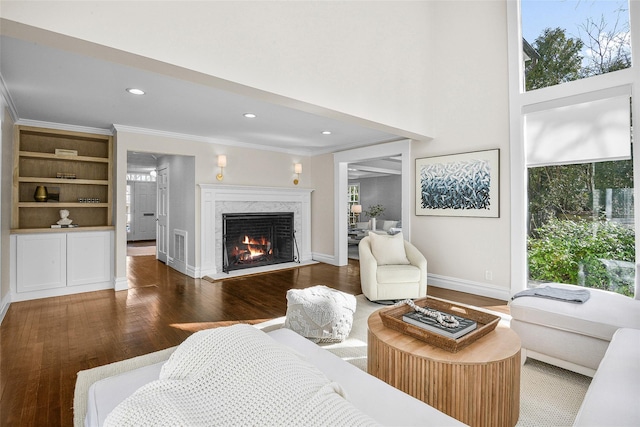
520, 101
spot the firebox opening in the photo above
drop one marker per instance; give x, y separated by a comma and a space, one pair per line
257, 239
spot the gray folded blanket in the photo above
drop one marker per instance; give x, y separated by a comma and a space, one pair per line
577, 296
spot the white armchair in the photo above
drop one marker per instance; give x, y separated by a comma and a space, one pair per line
391, 268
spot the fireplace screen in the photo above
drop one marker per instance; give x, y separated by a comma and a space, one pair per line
257, 239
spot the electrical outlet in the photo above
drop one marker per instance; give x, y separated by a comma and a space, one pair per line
488, 275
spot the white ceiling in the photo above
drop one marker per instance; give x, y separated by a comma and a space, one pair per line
47, 84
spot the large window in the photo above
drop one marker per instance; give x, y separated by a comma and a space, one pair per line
574, 205
580, 191
574, 39
581, 225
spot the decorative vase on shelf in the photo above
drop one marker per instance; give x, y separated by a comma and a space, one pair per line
373, 223
41, 194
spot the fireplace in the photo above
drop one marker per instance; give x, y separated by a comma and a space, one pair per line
219, 199
257, 239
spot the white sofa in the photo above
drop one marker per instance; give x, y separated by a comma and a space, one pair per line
381, 402
599, 338
612, 397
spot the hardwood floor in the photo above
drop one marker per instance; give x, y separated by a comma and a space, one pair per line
45, 342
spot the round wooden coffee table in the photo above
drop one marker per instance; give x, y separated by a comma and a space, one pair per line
479, 385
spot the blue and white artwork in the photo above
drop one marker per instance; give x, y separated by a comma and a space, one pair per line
458, 185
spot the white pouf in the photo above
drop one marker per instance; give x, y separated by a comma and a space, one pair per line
320, 313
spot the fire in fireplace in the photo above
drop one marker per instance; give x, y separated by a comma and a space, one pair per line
257, 239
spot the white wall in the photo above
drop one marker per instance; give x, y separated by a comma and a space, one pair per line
322, 206
368, 59
182, 203
470, 89
383, 190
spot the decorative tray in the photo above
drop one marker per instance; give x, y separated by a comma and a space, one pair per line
392, 318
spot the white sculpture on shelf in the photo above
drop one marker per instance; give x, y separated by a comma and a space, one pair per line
64, 217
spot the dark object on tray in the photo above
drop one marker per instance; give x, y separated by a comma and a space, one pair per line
431, 324
392, 318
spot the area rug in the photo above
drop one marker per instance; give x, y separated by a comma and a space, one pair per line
549, 396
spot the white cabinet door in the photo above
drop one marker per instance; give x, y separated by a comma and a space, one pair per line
41, 262
88, 258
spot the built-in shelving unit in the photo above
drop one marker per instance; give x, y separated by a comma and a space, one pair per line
80, 180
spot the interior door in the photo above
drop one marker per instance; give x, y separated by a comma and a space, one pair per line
162, 235
144, 211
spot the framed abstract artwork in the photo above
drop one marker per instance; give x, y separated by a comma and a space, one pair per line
459, 185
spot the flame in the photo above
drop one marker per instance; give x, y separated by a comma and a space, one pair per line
255, 247
255, 252
260, 241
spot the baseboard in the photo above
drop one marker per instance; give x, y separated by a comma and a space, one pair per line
186, 269
191, 271
120, 284
445, 282
4, 306
467, 286
327, 259
62, 291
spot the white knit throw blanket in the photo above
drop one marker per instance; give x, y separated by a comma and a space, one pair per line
237, 375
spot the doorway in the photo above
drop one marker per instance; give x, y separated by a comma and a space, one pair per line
373, 182
141, 203
169, 212
141, 218
400, 150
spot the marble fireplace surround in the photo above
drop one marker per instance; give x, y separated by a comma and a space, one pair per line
217, 199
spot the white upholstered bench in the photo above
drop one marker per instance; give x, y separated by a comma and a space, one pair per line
568, 335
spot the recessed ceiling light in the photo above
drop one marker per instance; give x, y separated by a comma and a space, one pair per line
250, 115
326, 132
135, 91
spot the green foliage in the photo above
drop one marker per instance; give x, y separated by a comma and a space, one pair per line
558, 191
374, 211
564, 248
617, 174
560, 60
567, 191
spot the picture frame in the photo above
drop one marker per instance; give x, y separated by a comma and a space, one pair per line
462, 185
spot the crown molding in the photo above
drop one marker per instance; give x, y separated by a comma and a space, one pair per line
8, 101
209, 140
62, 126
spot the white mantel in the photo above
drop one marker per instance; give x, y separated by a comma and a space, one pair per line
217, 199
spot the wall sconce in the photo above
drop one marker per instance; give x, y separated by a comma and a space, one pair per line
222, 163
297, 168
356, 210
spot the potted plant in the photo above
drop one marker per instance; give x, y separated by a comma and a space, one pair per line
373, 212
